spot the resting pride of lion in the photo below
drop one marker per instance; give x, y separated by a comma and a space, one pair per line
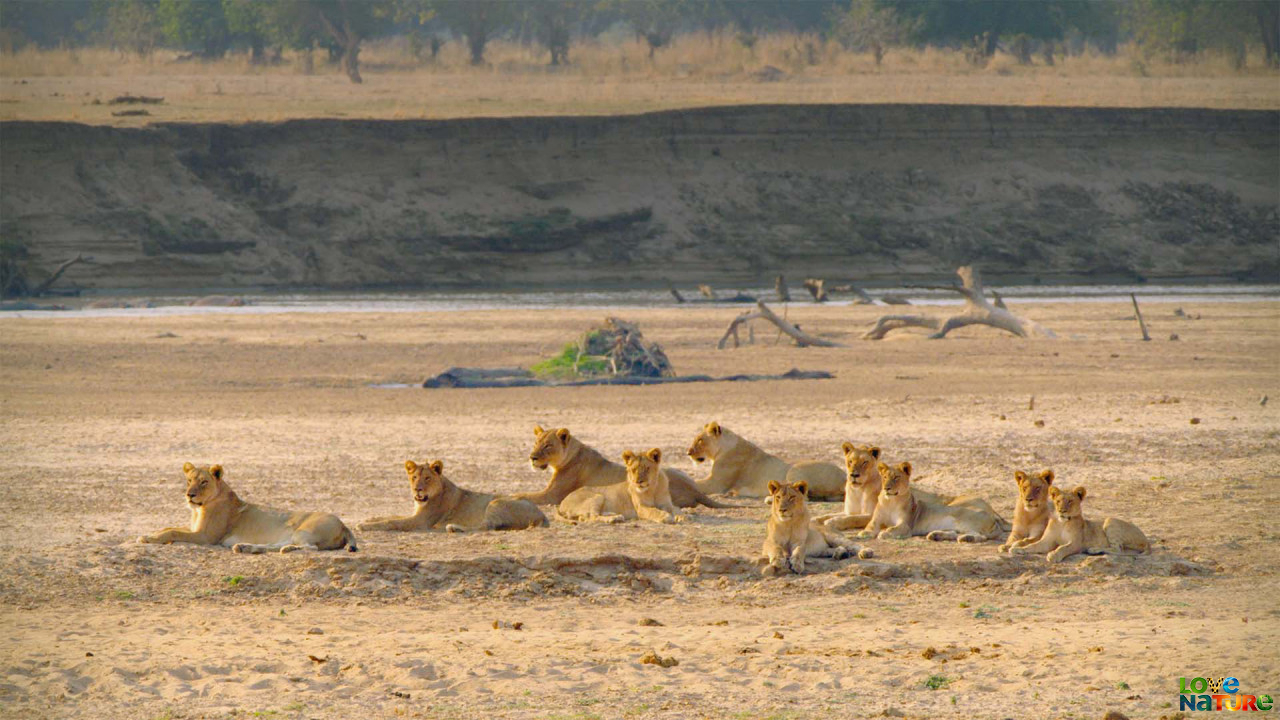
740, 468
575, 464
903, 512
792, 536
1069, 533
644, 495
438, 501
220, 517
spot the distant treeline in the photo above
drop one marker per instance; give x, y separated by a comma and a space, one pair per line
1026, 29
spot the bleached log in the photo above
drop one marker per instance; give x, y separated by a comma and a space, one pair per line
978, 311
762, 311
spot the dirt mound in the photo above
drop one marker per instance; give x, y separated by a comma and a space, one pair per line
729, 195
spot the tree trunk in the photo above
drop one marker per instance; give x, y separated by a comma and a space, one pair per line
1268, 14
43, 287
477, 43
762, 311
348, 42
257, 47
351, 61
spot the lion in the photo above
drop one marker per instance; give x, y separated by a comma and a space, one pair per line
792, 535
220, 517
862, 489
644, 495
1069, 533
575, 464
740, 468
1032, 512
902, 512
437, 500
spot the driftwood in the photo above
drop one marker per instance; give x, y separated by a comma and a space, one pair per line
128, 99
1142, 325
894, 300
978, 311
762, 311
43, 287
518, 377
709, 296
780, 287
817, 287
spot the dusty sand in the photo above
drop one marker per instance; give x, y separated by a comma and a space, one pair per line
98, 415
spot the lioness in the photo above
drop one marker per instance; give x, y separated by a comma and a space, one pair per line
1032, 512
861, 487
575, 464
740, 468
1069, 533
792, 536
437, 500
900, 513
644, 495
219, 517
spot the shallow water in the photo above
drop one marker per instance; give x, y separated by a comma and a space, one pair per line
408, 301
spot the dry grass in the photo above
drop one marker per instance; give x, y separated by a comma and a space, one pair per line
605, 77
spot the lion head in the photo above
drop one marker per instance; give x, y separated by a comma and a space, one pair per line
1033, 489
1067, 504
427, 481
203, 484
550, 448
897, 480
788, 500
859, 462
708, 444
643, 469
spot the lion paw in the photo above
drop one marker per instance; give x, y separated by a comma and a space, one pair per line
969, 538
290, 548
452, 528
866, 553
839, 552
242, 548
867, 534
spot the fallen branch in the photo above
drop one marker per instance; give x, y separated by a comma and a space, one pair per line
762, 311
128, 99
43, 287
517, 377
780, 287
978, 311
1141, 324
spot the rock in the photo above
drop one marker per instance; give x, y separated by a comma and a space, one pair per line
315, 631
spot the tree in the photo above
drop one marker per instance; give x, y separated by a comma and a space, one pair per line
345, 23
1183, 28
132, 25
476, 20
199, 25
866, 27
983, 22
555, 20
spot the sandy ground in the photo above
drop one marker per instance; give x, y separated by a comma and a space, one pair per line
98, 415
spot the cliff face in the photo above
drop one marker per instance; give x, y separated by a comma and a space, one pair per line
726, 195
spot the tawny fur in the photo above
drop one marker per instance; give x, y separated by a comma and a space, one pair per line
1069, 533
740, 468
1031, 515
575, 464
439, 503
793, 536
902, 512
644, 495
220, 517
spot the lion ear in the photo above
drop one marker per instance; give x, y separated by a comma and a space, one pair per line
216, 471
875, 452
1019, 476
655, 455
774, 487
1054, 492
847, 447
1047, 477
410, 466
628, 457
905, 468
563, 434
537, 431
803, 487
437, 467
187, 468
1079, 491
713, 427
883, 469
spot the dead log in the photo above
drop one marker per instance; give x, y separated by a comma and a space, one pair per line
675, 293
127, 99
894, 300
816, 289
707, 292
978, 311
780, 286
762, 311
1142, 325
43, 287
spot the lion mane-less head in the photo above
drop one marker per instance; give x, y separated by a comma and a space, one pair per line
788, 500
203, 483
642, 468
859, 461
897, 480
1068, 504
706, 446
1033, 489
550, 447
427, 480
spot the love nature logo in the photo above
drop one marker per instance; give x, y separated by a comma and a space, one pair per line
1218, 694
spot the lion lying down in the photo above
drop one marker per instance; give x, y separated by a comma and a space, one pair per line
901, 512
1069, 533
437, 501
644, 495
741, 468
220, 517
793, 536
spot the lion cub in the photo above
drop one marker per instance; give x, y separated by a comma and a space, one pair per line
220, 517
644, 495
1069, 533
436, 500
1032, 513
901, 514
793, 536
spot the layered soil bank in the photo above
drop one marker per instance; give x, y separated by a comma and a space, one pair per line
729, 196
